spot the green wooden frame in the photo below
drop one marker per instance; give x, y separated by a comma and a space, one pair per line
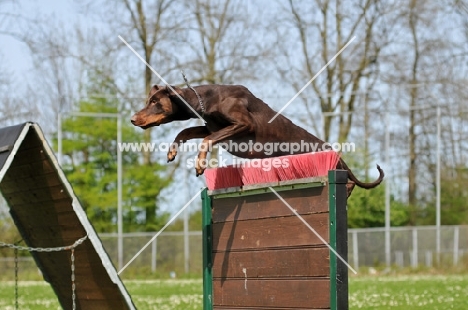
207, 259
338, 225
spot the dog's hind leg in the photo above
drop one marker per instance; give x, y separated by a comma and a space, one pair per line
183, 136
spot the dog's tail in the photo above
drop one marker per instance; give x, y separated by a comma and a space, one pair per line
353, 178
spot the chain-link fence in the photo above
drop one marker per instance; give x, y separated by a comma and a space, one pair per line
174, 253
170, 253
409, 246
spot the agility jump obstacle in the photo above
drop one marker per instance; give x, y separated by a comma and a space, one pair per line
48, 215
258, 255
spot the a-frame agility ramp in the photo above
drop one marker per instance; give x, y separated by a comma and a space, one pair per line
48, 215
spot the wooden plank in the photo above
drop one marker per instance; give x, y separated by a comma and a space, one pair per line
85, 303
14, 198
64, 238
86, 263
53, 260
29, 155
270, 233
31, 168
300, 262
31, 140
39, 236
8, 187
261, 308
38, 181
57, 206
304, 201
272, 293
49, 215
92, 299
34, 196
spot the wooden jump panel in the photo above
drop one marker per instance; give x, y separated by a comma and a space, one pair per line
259, 255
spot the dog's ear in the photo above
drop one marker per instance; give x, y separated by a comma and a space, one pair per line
153, 90
173, 90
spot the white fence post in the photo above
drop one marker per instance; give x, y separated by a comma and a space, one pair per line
414, 254
154, 254
355, 251
456, 236
429, 258
399, 258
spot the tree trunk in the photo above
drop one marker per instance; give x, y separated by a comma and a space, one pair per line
412, 197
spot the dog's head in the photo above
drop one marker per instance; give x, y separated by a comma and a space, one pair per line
159, 108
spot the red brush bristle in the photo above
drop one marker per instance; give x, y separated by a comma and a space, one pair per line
222, 177
285, 171
258, 171
210, 178
232, 177
308, 165
325, 161
284, 168
300, 164
315, 164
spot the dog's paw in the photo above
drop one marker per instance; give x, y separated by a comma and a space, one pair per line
172, 153
199, 171
199, 168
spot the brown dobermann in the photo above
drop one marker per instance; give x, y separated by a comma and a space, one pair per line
233, 115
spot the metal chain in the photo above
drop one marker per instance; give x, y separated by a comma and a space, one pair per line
198, 96
54, 249
32, 249
16, 279
72, 258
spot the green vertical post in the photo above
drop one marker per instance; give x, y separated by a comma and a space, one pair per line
207, 251
338, 223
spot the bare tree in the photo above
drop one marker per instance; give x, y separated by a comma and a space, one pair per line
224, 44
224, 40
321, 29
401, 51
54, 75
427, 65
152, 28
13, 108
412, 21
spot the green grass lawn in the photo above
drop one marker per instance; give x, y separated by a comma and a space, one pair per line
366, 292
408, 292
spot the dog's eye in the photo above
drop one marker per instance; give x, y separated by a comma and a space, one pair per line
153, 101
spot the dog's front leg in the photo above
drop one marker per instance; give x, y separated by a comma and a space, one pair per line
214, 139
183, 136
235, 112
